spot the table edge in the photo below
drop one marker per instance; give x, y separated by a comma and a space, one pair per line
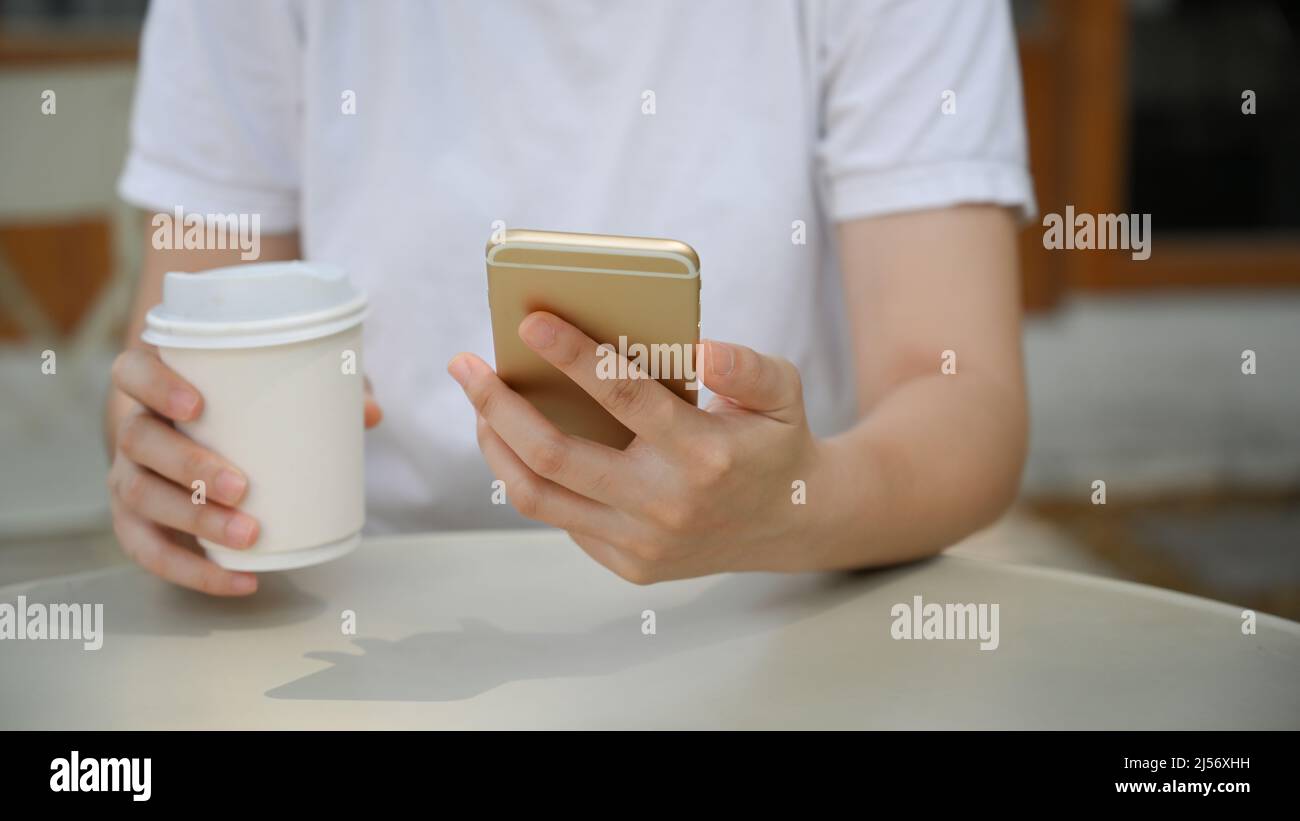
548, 534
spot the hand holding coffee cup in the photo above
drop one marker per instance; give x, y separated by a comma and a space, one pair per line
258, 367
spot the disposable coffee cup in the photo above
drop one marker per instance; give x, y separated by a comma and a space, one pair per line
275, 349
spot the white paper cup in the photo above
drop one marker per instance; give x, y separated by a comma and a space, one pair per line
275, 349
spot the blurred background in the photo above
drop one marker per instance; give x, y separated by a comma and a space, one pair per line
1135, 367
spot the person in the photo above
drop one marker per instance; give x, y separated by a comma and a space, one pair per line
851, 173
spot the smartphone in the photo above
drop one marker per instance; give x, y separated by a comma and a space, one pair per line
637, 297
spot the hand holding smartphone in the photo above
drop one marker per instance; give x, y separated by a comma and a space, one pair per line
639, 296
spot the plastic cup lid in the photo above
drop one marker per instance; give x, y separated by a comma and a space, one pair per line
254, 305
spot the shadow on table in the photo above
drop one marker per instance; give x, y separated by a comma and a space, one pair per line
450, 665
136, 603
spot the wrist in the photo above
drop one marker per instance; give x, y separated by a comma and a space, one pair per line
845, 493
824, 503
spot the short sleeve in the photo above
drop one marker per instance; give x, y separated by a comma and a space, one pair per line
216, 121
920, 107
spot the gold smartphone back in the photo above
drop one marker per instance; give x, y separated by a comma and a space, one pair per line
642, 289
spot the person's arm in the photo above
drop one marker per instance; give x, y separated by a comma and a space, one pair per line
933, 457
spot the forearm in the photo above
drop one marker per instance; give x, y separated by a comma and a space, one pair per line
937, 459
935, 455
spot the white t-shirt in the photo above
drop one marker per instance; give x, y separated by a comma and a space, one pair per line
766, 115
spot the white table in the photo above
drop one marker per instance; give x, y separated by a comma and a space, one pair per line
520, 629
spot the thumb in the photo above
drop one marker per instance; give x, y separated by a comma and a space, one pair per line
766, 384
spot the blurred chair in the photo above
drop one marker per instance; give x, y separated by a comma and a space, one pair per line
67, 260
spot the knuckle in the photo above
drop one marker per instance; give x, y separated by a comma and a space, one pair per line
131, 432
207, 581
160, 564
567, 353
206, 521
625, 396
716, 458
526, 498
674, 415
120, 365
128, 545
792, 375
623, 541
598, 485
484, 403
150, 560
649, 551
197, 463
132, 488
551, 455
638, 574
671, 515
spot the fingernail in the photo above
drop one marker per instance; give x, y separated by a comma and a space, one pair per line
230, 486
240, 530
182, 403
721, 359
459, 370
537, 332
244, 583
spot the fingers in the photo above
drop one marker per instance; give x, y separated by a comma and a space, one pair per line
647, 408
157, 500
146, 544
584, 467
144, 502
547, 502
140, 374
373, 413
628, 567
148, 441
764, 384
538, 498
